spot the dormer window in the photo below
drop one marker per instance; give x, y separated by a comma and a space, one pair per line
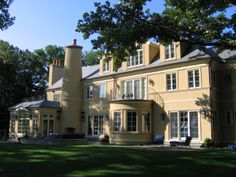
106, 66
170, 51
135, 60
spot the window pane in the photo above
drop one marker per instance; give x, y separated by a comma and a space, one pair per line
100, 125
168, 82
129, 89
183, 124
50, 126
173, 81
102, 91
45, 127
141, 57
128, 61
131, 118
174, 124
95, 125
106, 66
172, 50
89, 125
137, 59
90, 91
190, 79
117, 121
137, 89
193, 124
146, 122
167, 51
196, 78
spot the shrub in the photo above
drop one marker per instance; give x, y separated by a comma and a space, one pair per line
208, 143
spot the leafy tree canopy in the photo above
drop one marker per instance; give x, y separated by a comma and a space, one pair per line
22, 75
51, 52
120, 27
5, 19
91, 57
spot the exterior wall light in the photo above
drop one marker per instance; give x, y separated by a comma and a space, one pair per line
151, 82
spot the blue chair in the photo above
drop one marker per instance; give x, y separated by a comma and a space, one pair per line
159, 139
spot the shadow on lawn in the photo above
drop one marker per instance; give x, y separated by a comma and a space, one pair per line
95, 160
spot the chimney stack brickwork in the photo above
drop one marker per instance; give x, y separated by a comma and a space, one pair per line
55, 72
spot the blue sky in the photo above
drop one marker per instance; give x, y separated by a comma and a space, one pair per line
42, 22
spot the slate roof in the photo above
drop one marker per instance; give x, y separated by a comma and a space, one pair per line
87, 72
228, 54
90, 72
35, 104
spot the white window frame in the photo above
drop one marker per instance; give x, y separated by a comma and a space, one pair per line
136, 60
35, 126
142, 90
136, 123
13, 126
106, 66
144, 126
89, 92
171, 81
117, 128
168, 48
95, 131
188, 124
50, 119
23, 128
56, 97
194, 78
102, 90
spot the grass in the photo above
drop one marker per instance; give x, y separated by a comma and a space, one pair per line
18, 160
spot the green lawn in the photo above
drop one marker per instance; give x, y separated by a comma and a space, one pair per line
103, 160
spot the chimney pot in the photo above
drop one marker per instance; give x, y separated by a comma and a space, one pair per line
74, 42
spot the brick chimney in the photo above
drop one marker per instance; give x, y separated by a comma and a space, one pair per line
55, 72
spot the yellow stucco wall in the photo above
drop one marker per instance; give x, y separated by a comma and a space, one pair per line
182, 98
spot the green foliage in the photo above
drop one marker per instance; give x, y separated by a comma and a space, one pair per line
51, 52
205, 104
120, 27
208, 143
91, 57
22, 75
5, 19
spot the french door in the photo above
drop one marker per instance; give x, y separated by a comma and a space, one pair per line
184, 123
47, 127
95, 125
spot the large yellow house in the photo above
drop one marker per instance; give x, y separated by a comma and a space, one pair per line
175, 90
